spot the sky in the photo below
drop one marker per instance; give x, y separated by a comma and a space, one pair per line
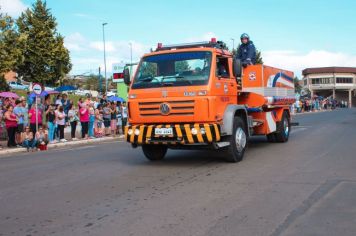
291, 34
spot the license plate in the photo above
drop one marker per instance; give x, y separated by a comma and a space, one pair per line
163, 131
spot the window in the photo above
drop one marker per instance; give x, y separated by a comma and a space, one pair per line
321, 80
173, 69
222, 67
344, 80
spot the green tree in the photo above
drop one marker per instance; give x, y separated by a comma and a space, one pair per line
46, 60
297, 86
259, 59
92, 82
11, 44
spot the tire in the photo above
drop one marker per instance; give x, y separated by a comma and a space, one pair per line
238, 142
271, 137
154, 152
283, 129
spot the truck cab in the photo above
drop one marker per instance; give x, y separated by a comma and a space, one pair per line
187, 96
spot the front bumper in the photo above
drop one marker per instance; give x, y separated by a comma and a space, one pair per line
182, 134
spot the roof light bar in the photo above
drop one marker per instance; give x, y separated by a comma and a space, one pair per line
213, 43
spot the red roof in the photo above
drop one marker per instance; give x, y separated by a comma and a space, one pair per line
320, 70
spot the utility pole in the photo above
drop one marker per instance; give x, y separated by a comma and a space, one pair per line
106, 79
100, 82
233, 44
131, 58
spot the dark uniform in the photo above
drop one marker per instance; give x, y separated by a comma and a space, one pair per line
247, 53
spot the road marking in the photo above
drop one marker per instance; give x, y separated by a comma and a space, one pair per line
296, 130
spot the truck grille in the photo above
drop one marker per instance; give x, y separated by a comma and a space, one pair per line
177, 108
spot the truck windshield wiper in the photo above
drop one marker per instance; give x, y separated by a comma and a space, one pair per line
147, 79
167, 84
182, 78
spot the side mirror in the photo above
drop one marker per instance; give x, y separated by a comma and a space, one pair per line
237, 67
127, 78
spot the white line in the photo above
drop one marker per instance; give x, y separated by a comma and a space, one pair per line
296, 130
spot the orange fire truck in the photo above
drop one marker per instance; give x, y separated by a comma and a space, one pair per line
197, 95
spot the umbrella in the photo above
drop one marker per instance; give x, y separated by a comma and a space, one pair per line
115, 99
65, 88
9, 95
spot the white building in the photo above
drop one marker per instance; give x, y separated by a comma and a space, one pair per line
338, 82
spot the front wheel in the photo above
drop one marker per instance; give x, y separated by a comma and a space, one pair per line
238, 142
154, 152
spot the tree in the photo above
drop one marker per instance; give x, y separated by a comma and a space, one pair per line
46, 60
3, 85
92, 82
259, 59
11, 44
297, 86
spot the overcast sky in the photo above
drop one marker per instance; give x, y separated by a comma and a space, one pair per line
292, 34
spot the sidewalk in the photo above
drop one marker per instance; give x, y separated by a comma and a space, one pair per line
314, 112
4, 150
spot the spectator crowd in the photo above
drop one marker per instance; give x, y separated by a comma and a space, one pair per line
25, 124
317, 104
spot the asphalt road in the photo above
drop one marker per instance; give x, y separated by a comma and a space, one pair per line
304, 187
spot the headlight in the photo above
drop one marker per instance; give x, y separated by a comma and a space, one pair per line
202, 131
132, 96
137, 131
194, 131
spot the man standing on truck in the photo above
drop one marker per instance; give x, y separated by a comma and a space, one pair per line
246, 51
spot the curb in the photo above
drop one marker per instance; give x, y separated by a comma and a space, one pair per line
6, 151
314, 112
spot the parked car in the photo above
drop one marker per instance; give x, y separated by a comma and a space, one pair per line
110, 93
18, 86
86, 93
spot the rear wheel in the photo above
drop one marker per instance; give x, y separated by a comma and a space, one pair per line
154, 152
238, 142
283, 129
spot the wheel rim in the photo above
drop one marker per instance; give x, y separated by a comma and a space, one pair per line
286, 127
240, 139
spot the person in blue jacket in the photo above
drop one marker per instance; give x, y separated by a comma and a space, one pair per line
247, 51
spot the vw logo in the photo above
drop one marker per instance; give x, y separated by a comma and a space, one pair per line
164, 108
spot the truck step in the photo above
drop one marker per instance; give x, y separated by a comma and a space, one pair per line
219, 145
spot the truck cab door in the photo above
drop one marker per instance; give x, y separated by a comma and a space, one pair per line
225, 80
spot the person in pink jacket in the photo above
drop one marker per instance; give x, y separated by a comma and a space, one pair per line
84, 119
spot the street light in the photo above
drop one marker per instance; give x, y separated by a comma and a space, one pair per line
233, 43
130, 58
106, 79
130, 52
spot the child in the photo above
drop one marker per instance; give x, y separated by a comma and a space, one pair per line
28, 140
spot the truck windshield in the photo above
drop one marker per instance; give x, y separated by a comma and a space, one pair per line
173, 69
